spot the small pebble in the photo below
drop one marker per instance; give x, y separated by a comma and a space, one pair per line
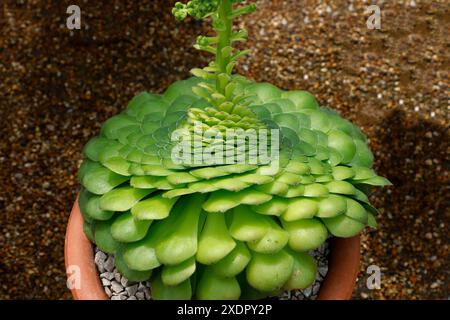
132, 290
108, 292
140, 295
117, 275
107, 275
106, 282
109, 264
124, 281
116, 287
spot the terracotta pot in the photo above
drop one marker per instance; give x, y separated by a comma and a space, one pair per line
338, 285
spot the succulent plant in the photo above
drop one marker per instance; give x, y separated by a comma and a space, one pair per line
224, 229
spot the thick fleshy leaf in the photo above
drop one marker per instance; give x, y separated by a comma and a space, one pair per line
160, 291
103, 237
363, 173
234, 263
141, 255
264, 91
221, 201
176, 274
363, 156
343, 143
341, 187
247, 225
269, 272
343, 226
332, 206
274, 188
343, 173
94, 146
306, 234
215, 242
300, 208
304, 273
90, 206
126, 228
130, 274
301, 99
315, 190
98, 179
376, 181
154, 208
181, 240
122, 199
274, 207
273, 241
356, 211
214, 287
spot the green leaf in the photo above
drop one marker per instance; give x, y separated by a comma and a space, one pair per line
154, 208
306, 234
376, 181
363, 156
295, 192
176, 274
371, 221
181, 240
315, 190
89, 231
213, 287
300, 208
234, 263
332, 206
264, 91
356, 211
343, 226
127, 229
341, 187
181, 178
130, 274
343, 143
141, 255
343, 173
247, 225
363, 173
215, 242
118, 165
304, 273
123, 199
160, 291
302, 99
94, 146
90, 206
273, 241
98, 179
103, 237
221, 201
269, 272
274, 207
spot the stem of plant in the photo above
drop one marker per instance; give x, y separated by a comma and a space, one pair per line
224, 38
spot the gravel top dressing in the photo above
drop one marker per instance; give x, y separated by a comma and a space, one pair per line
117, 287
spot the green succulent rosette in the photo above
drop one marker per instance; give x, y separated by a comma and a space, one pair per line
225, 230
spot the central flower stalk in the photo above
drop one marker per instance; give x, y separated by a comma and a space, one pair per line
224, 28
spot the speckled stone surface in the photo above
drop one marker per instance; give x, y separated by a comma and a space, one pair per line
57, 87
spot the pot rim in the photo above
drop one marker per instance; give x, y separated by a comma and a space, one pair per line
343, 264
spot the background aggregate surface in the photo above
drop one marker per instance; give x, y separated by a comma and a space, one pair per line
57, 87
